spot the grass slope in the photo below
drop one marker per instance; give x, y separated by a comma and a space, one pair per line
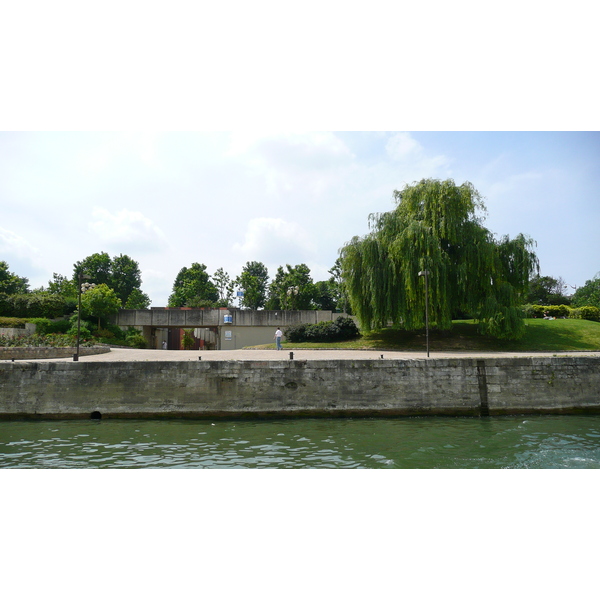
560, 335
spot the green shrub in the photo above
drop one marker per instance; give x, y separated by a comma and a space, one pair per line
12, 322
41, 325
538, 311
116, 331
557, 311
343, 328
137, 341
589, 313
34, 305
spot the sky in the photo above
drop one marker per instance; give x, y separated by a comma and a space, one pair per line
227, 134
169, 199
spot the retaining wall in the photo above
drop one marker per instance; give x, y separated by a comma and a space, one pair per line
24, 353
213, 389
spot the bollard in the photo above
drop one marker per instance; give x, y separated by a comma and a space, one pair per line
291, 356
75, 357
199, 358
382, 356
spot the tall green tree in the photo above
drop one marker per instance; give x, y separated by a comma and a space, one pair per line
11, 283
253, 283
62, 286
331, 294
120, 273
437, 226
547, 290
98, 267
125, 276
100, 302
588, 294
224, 285
292, 289
137, 300
193, 287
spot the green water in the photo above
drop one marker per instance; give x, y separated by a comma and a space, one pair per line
543, 442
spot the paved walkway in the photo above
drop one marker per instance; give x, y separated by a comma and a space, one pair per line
126, 354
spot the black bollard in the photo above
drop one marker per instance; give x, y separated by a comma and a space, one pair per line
291, 356
199, 358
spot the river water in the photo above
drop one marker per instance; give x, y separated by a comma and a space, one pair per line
516, 442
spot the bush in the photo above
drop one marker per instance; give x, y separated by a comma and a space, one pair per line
115, 331
137, 341
538, 311
589, 313
343, 328
12, 322
41, 325
34, 305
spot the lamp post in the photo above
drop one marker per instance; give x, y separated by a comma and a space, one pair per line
426, 274
80, 277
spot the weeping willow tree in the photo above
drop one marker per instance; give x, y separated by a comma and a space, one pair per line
438, 226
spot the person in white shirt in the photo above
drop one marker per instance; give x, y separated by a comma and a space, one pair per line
278, 335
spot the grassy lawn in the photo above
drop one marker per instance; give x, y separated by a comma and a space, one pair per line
560, 335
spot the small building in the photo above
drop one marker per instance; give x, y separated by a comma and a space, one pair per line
215, 328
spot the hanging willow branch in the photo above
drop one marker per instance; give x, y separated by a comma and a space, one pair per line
437, 226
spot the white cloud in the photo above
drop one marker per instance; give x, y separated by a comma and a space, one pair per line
128, 228
12, 244
273, 241
402, 145
404, 150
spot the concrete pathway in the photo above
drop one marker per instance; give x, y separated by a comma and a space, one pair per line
126, 354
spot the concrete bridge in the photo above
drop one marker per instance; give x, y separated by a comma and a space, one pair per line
215, 329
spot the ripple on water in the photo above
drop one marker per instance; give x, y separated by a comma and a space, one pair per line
512, 442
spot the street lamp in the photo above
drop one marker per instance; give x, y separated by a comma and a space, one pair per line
80, 277
426, 274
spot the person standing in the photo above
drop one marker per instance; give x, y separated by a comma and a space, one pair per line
278, 335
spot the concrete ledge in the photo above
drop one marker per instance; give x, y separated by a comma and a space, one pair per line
285, 388
17, 353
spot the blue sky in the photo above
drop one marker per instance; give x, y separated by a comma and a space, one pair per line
258, 133
222, 199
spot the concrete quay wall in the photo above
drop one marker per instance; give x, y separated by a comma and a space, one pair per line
233, 389
28, 353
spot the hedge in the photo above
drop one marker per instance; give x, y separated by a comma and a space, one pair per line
561, 311
343, 328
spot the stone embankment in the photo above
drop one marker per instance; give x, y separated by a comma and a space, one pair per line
311, 384
17, 353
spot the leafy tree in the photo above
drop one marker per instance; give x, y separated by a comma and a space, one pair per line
338, 285
97, 266
11, 283
100, 302
588, 294
125, 277
121, 273
62, 286
436, 227
137, 300
547, 291
292, 289
224, 286
253, 282
193, 286
325, 295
